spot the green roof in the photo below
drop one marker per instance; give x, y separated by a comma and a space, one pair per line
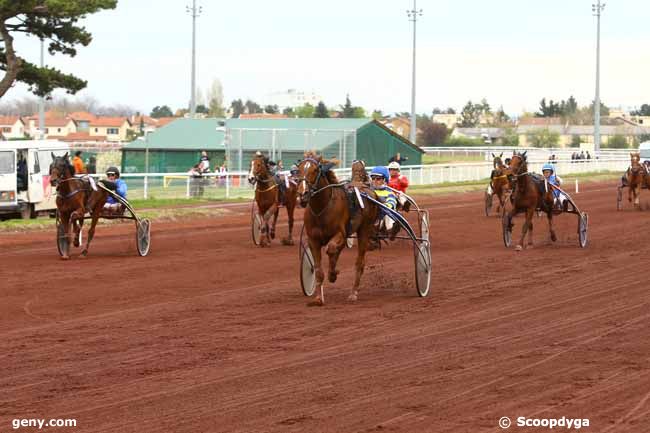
184, 134
296, 124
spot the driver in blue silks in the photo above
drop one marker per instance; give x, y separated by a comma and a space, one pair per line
113, 175
380, 177
560, 199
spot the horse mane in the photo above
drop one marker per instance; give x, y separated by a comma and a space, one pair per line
329, 174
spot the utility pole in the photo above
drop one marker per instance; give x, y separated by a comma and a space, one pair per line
413, 16
41, 101
195, 13
597, 9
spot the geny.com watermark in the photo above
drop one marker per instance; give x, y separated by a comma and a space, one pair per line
40, 423
551, 423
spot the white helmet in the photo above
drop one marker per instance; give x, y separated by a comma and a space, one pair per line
393, 166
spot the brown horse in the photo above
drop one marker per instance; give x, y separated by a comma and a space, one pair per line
634, 178
74, 197
528, 195
499, 183
328, 219
267, 196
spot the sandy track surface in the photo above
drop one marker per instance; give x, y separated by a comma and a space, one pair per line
212, 334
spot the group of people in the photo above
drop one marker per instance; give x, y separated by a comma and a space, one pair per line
390, 186
197, 172
582, 155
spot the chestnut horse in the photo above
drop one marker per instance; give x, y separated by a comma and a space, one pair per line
528, 195
634, 178
75, 197
499, 183
267, 196
328, 219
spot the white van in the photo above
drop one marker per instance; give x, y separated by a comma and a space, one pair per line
644, 149
25, 176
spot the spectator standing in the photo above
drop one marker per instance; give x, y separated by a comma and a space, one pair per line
78, 163
204, 162
398, 159
196, 181
92, 165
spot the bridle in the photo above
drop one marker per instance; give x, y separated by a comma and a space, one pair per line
312, 188
258, 179
58, 181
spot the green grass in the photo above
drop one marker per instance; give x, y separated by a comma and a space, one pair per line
157, 203
446, 159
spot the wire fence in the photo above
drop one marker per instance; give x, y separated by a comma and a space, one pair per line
236, 185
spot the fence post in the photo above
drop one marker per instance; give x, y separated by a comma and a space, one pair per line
187, 187
227, 186
146, 186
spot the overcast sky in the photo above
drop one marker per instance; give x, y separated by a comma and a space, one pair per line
512, 52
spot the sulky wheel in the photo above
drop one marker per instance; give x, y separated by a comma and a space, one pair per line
307, 271
143, 236
256, 224
422, 254
506, 223
583, 226
424, 225
488, 203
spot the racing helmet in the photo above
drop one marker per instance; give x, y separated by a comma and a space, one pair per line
393, 166
113, 170
380, 171
548, 166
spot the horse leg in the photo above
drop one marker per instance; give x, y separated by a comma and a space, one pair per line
91, 231
275, 220
78, 226
363, 240
290, 209
527, 225
550, 226
315, 248
637, 197
334, 248
65, 221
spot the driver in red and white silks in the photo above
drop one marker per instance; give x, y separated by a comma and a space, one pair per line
398, 181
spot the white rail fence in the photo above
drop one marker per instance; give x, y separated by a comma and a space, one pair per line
235, 184
485, 152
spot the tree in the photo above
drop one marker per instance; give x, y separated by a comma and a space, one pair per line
54, 21
450, 111
377, 114
202, 109
617, 142
237, 107
214, 96
604, 110
470, 115
321, 111
501, 117
643, 111
253, 107
510, 137
159, 112
359, 113
288, 112
431, 133
305, 111
271, 109
544, 138
571, 106
484, 107
348, 109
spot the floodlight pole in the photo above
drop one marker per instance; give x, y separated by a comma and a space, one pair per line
41, 101
597, 9
413, 16
195, 13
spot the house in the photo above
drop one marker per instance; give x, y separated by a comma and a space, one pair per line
83, 119
490, 136
58, 127
113, 128
449, 120
12, 127
400, 125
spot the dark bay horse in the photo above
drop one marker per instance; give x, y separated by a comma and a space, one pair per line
634, 178
529, 194
267, 196
328, 219
499, 183
75, 197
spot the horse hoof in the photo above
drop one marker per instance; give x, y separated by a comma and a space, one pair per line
553, 237
353, 297
65, 257
286, 241
332, 276
319, 301
272, 235
519, 248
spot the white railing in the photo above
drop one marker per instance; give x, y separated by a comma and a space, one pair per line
485, 152
235, 184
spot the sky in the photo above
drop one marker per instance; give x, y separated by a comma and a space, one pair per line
511, 52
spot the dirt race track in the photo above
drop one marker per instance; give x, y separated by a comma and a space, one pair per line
211, 334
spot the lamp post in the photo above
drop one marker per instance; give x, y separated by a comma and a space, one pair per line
597, 9
195, 12
413, 16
